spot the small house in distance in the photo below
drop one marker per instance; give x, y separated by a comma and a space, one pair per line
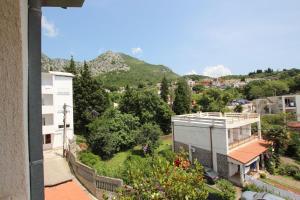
227, 143
57, 91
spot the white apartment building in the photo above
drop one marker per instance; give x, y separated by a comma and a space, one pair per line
223, 142
57, 90
278, 104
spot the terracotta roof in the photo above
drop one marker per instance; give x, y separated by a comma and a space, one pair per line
295, 125
248, 152
68, 191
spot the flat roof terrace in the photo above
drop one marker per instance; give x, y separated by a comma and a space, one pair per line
218, 119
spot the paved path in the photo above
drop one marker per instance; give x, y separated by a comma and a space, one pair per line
60, 184
56, 169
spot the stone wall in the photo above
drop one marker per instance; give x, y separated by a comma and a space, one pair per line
203, 156
222, 164
178, 146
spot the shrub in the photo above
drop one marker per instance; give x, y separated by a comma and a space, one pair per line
263, 175
251, 187
167, 154
297, 176
88, 158
148, 137
228, 191
291, 170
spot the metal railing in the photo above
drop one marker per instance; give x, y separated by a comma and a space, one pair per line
242, 141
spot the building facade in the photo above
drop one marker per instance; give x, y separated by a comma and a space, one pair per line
278, 104
224, 142
57, 91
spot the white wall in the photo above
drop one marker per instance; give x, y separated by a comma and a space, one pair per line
200, 137
298, 107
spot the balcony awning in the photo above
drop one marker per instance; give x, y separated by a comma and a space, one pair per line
250, 151
62, 3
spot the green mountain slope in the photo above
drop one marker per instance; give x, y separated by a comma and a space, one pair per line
139, 72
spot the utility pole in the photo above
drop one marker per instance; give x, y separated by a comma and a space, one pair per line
65, 127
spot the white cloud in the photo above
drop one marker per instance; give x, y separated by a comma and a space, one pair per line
136, 50
193, 72
216, 71
49, 28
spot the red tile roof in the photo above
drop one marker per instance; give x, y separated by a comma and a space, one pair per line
248, 152
66, 191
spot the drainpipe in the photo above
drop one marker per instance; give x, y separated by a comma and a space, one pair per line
211, 147
34, 101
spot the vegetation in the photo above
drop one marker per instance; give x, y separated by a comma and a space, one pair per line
166, 180
182, 102
90, 98
148, 107
164, 91
228, 191
113, 132
148, 137
238, 108
139, 72
215, 100
251, 187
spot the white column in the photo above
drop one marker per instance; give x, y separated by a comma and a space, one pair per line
259, 128
242, 173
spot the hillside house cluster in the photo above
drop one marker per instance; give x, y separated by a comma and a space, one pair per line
224, 142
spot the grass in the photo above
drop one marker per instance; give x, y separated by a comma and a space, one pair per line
113, 166
281, 185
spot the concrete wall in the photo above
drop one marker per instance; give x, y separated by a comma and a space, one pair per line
14, 173
199, 137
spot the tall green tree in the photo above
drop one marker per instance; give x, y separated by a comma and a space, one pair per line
71, 68
182, 102
90, 99
147, 106
164, 91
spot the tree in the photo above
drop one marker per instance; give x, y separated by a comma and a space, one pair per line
198, 88
148, 137
147, 106
71, 68
215, 100
164, 91
112, 133
182, 102
164, 181
89, 98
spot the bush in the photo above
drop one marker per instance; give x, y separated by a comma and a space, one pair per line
148, 137
263, 175
228, 191
167, 154
251, 187
297, 176
291, 170
88, 158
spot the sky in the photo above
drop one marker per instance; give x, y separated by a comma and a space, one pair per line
210, 37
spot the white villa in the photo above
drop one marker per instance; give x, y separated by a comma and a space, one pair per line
278, 104
223, 142
57, 90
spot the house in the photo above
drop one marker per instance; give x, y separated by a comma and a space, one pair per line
278, 104
224, 142
57, 91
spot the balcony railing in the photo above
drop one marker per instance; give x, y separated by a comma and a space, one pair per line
242, 141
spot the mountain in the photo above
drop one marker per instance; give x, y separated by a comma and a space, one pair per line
196, 77
116, 69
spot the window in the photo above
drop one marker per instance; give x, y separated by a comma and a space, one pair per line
62, 126
48, 139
